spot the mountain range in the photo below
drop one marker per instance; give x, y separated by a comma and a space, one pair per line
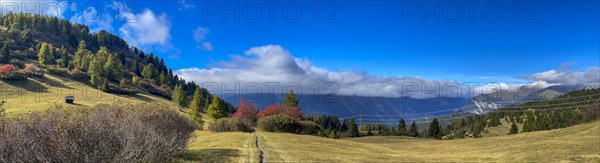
389, 110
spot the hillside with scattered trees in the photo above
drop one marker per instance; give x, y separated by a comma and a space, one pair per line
33, 45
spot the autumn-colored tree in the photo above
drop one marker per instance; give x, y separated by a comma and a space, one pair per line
270, 110
7, 69
122, 83
30, 67
293, 112
246, 110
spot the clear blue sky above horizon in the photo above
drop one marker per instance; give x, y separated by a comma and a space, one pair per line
372, 36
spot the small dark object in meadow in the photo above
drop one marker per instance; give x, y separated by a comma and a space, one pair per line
69, 99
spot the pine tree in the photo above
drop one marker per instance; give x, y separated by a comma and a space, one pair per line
197, 103
5, 54
179, 98
434, 129
82, 56
216, 110
477, 129
113, 67
413, 131
64, 57
513, 129
149, 72
95, 72
530, 122
353, 129
291, 100
45, 55
105, 87
163, 78
402, 126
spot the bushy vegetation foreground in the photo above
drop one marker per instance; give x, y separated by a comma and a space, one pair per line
105, 133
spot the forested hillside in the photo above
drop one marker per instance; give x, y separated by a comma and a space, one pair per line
33, 45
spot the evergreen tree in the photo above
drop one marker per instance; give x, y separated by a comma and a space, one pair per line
477, 129
83, 56
353, 129
196, 116
64, 57
216, 110
413, 131
5, 54
113, 67
460, 133
402, 126
149, 72
513, 129
95, 71
434, 129
529, 124
197, 103
45, 55
291, 100
163, 78
179, 97
105, 87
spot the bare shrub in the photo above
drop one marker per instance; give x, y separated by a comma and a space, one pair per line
105, 133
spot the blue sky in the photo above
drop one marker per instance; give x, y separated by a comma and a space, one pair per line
371, 36
378, 39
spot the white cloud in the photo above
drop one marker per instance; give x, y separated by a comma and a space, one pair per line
48, 7
150, 29
272, 64
200, 37
96, 21
590, 76
185, 5
207, 46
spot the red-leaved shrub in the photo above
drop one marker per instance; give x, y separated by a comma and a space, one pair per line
7, 69
246, 110
31, 69
270, 110
292, 112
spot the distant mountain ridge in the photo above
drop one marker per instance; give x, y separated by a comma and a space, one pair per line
367, 109
389, 110
487, 102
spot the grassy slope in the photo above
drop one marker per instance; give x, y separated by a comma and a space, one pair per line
501, 129
220, 147
581, 142
40, 93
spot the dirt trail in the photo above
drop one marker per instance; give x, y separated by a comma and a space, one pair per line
262, 152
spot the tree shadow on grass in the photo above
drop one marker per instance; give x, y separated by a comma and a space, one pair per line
207, 155
140, 97
28, 85
51, 82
